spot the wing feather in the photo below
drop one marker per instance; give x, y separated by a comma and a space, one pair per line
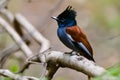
78, 36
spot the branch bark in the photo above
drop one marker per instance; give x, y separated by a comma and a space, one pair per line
51, 70
74, 62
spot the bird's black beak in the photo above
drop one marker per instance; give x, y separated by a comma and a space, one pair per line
55, 18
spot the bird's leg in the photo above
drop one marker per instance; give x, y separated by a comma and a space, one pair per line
75, 53
72, 53
69, 52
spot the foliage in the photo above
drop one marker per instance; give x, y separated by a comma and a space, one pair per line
112, 74
4, 78
14, 66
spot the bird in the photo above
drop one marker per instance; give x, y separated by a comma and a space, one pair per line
71, 35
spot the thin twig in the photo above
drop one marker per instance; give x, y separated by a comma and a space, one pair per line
6, 53
11, 75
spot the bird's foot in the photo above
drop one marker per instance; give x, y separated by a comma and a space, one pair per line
72, 53
69, 52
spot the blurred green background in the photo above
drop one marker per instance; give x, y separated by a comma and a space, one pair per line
100, 20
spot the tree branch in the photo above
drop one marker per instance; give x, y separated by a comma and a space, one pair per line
74, 62
4, 54
3, 3
51, 70
56, 59
7, 14
45, 44
11, 75
16, 37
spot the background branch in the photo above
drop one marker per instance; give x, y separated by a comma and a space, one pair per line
5, 53
3, 3
11, 75
16, 37
7, 14
45, 44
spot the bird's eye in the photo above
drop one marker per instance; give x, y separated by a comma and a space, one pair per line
62, 20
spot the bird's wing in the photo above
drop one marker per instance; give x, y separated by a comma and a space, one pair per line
77, 35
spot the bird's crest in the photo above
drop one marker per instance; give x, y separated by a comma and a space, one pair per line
68, 13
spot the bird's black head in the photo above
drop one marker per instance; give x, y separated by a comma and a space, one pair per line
66, 18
